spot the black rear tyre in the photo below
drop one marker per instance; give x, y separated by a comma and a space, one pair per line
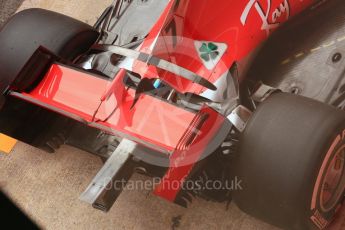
291, 163
29, 29
21, 36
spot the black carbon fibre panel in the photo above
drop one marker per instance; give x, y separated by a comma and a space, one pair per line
307, 55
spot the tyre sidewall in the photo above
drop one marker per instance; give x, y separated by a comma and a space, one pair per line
319, 218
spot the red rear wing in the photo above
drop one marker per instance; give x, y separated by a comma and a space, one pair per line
79, 95
185, 136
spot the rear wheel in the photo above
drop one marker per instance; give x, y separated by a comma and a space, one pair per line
291, 163
21, 36
26, 31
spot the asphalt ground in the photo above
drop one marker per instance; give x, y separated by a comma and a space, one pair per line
47, 186
7, 8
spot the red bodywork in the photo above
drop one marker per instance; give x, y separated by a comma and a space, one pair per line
240, 24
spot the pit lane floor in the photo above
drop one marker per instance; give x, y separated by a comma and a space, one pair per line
47, 186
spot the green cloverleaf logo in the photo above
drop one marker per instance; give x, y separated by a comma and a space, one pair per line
208, 51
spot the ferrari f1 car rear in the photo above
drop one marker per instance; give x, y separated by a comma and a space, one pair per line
179, 98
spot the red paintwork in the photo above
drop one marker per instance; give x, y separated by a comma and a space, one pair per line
216, 21
183, 159
151, 120
95, 100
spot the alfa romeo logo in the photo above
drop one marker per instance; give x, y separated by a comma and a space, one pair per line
208, 51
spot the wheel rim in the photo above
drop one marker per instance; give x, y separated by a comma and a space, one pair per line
333, 183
